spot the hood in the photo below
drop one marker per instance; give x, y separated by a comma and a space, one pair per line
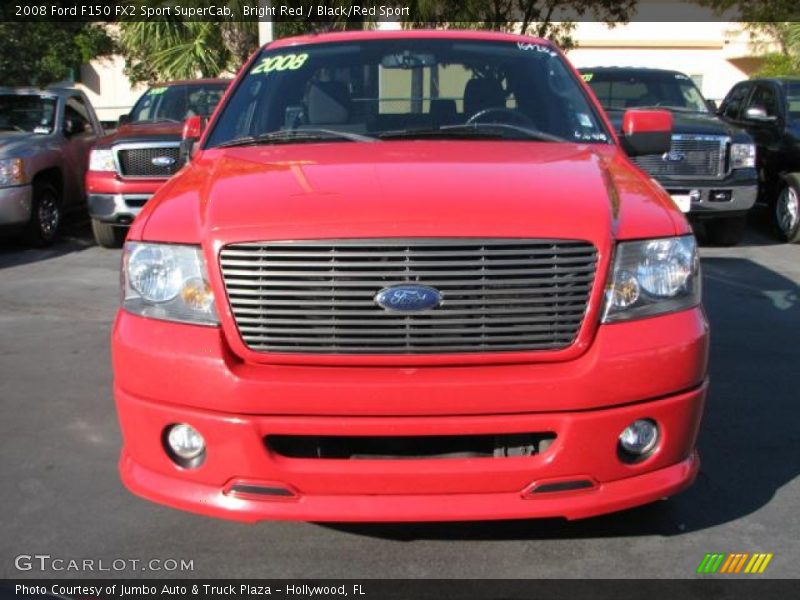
408, 189
18, 143
691, 123
144, 132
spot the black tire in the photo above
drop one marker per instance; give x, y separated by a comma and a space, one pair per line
108, 236
46, 214
786, 210
726, 231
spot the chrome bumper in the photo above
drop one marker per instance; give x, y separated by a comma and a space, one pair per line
715, 200
116, 208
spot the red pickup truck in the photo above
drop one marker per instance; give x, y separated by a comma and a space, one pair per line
129, 165
411, 276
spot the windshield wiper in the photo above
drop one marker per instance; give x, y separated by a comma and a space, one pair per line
527, 132
474, 130
160, 120
289, 136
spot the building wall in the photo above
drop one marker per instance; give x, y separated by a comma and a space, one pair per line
108, 89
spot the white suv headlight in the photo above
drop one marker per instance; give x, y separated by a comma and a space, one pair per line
743, 156
102, 159
167, 281
653, 277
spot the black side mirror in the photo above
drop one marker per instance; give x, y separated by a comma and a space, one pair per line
123, 119
70, 127
712, 106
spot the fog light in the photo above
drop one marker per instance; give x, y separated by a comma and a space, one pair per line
639, 438
185, 442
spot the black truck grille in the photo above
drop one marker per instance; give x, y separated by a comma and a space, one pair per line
497, 294
690, 156
138, 162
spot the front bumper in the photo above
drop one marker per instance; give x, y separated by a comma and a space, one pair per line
15, 205
119, 209
113, 199
736, 194
168, 373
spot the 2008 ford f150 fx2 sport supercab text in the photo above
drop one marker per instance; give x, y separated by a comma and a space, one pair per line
411, 276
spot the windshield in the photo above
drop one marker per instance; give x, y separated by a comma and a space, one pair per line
793, 103
27, 113
407, 89
178, 102
618, 91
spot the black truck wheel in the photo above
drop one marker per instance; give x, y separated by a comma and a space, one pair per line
786, 210
108, 236
726, 231
46, 214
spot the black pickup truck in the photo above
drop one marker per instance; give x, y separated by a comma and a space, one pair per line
769, 109
710, 168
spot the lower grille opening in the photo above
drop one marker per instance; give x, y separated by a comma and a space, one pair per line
410, 447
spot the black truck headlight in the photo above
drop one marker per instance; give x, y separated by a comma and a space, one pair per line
743, 156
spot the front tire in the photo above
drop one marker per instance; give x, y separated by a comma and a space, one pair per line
45, 214
108, 236
726, 231
786, 211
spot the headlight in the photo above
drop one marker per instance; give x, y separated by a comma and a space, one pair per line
12, 171
167, 281
743, 156
653, 277
102, 159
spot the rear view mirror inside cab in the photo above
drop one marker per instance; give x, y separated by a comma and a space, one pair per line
407, 60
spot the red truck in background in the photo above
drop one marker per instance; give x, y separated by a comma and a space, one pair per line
411, 276
129, 165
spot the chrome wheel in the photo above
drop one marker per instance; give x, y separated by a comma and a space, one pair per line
787, 210
48, 216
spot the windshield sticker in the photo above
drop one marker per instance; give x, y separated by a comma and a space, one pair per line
587, 77
283, 62
586, 136
157, 91
41, 130
584, 120
538, 48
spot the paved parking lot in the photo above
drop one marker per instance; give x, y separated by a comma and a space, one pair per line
59, 442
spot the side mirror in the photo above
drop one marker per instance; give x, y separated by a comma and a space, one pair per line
192, 131
711, 105
70, 128
759, 114
123, 120
646, 132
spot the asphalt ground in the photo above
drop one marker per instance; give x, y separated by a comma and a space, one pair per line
59, 442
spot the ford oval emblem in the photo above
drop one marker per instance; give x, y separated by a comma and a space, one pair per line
673, 156
408, 298
163, 161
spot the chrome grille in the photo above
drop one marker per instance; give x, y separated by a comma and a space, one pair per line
690, 156
498, 294
137, 161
